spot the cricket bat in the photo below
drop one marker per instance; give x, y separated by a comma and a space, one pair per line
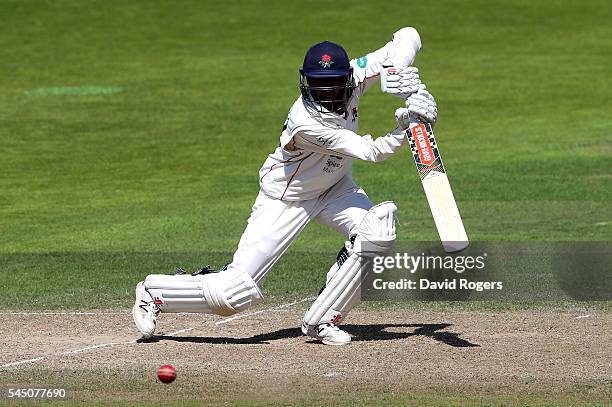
440, 197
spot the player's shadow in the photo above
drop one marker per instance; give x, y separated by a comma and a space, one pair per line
386, 332
376, 332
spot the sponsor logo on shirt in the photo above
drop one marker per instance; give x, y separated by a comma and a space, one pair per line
322, 140
332, 165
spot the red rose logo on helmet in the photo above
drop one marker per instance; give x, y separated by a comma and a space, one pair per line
326, 61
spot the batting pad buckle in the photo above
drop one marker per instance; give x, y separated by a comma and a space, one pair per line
204, 270
179, 271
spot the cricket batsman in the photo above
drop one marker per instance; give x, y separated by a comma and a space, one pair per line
308, 177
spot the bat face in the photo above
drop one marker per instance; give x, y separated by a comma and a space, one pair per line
437, 188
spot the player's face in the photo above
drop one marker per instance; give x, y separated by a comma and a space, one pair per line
327, 89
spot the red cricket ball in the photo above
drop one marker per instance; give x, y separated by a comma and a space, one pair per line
166, 373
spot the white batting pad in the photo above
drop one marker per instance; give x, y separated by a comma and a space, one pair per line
376, 232
339, 295
375, 235
224, 293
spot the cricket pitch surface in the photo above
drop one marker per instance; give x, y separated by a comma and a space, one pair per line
421, 357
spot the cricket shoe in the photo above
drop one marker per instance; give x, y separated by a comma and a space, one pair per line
328, 334
145, 311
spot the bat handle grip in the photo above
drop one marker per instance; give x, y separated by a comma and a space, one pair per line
414, 120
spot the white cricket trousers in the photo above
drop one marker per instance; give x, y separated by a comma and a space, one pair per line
275, 224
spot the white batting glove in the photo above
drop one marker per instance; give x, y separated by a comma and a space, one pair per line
402, 116
422, 105
400, 82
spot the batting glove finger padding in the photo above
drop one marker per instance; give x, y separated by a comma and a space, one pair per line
423, 106
400, 82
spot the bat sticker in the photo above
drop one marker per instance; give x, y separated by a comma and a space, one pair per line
424, 149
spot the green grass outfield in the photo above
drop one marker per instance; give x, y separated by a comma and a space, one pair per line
131, 133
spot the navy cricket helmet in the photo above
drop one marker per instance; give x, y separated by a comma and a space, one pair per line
326, 77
